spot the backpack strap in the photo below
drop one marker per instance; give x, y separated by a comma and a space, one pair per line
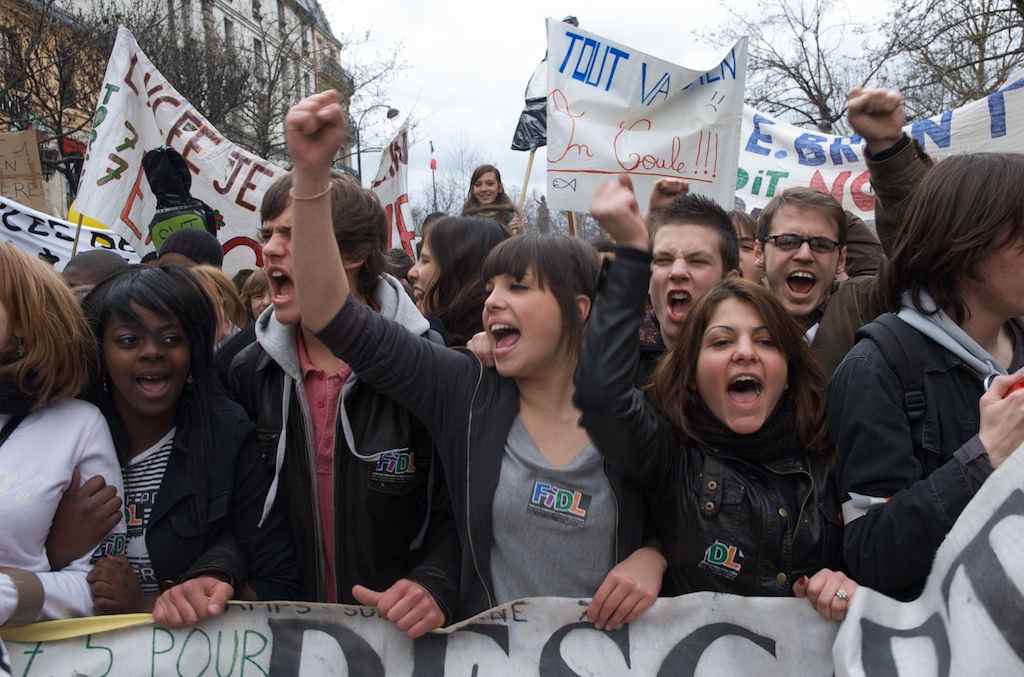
903, 348
9, 427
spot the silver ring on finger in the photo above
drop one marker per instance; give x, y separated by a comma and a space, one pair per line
842, 594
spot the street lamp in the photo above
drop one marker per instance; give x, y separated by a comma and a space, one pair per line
391, 115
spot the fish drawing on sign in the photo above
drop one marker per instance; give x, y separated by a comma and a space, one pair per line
562, 183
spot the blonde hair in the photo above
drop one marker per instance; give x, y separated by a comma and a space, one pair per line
48, 328
221, 290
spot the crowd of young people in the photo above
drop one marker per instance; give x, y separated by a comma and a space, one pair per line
362, 454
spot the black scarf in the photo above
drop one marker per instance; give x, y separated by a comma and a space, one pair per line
776, 439
14, 400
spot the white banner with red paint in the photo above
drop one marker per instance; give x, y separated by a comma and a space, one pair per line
138, 110
391, 184
614, 110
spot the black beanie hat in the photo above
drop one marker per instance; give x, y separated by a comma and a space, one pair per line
195, 243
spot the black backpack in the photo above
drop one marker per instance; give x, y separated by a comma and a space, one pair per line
903, 348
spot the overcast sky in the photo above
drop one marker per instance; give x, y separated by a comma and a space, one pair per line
470, 63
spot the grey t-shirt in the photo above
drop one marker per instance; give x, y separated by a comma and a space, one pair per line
554, 528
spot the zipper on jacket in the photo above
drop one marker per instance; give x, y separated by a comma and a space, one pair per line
807, 497
318, 585
615, 498
469, 524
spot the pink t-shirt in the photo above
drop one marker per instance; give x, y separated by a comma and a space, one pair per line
323, 392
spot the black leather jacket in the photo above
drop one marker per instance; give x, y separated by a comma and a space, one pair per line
724, 523
388, 525
237, 482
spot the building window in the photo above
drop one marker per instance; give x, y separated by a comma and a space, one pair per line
309, 86
229, 31
280, 15
186, 13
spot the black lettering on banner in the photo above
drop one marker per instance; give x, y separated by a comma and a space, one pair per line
996, 591
876, 646
34, 226
430, 651
684, 656
286, 652
553, 665
7, 219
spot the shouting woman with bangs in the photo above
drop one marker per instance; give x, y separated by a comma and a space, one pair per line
731, 441
528, 484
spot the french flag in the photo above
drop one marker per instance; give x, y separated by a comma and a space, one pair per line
433, 161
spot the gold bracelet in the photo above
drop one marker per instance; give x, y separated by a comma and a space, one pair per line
296, 198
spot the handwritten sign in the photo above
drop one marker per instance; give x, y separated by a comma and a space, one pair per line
775, 155
52, 239
615, 110
967, 622
138, 110
21, 172
391, 185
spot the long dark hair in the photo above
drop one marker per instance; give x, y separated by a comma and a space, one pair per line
169, 290
672, 390
965, 208
459, 245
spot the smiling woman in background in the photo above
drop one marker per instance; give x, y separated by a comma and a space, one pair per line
487, 199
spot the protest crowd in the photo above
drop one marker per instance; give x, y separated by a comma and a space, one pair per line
712, 406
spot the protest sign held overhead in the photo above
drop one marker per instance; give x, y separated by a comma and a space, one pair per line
612, 110
138, 110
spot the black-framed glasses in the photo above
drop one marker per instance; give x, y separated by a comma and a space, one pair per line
821, 245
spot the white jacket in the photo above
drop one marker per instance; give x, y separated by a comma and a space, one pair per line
36, 464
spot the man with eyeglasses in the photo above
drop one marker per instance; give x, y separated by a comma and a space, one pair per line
801, 244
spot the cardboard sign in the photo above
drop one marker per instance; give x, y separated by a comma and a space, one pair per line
21, 171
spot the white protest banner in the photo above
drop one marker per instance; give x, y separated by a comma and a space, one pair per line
138, 110
775, 155
615, 110
391, 184
52, 239
700, 634
970, 618
967, 622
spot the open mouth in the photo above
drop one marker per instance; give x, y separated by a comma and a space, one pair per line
282, 288
801, 283
153, 384
505, 336
744, 389
679, 303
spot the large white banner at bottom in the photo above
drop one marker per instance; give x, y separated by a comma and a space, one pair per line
700, 634
969, 621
